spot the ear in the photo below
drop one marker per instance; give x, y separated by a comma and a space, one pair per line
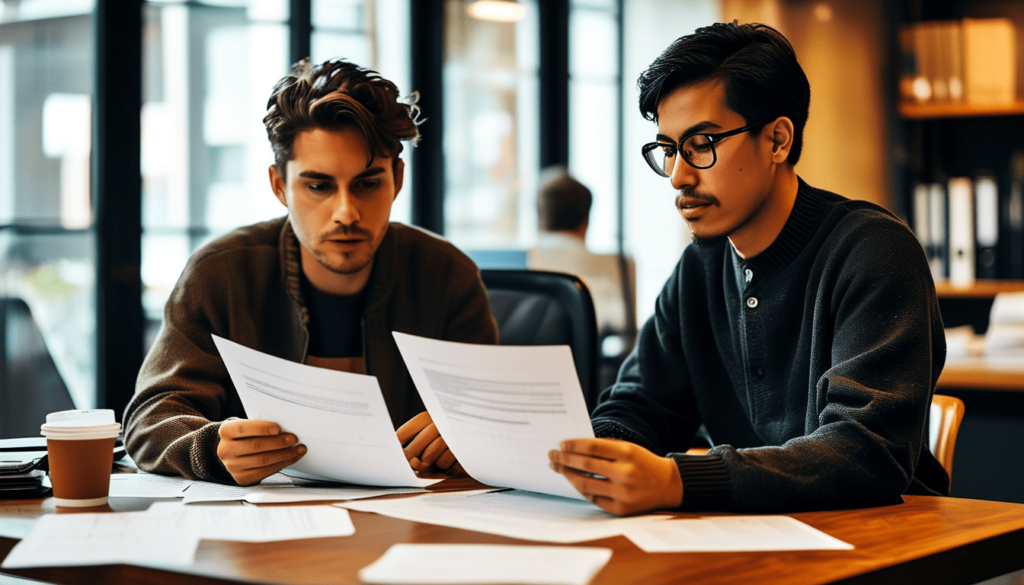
277, 185
399, 177
781, 133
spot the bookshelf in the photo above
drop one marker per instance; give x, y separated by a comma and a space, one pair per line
981, 289
936, 111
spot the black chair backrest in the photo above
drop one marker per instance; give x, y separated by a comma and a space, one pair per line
535, 307
30, 384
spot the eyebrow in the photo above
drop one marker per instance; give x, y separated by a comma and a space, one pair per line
318, 176
691, 130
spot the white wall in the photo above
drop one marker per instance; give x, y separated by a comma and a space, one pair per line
655, 233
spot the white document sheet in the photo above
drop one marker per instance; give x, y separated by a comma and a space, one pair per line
732, 534
340, 417
516, 514
59, 540
281, 489
431, 564
257, 524
501, 408
147, 485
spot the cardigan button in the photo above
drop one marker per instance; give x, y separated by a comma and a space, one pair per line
748, 274
752, 302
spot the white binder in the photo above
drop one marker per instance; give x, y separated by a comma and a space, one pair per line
961, 232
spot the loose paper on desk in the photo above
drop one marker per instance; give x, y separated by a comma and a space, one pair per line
257, 523
59, 540
515, 514
501, 408
340, 417
732, 534
430, 564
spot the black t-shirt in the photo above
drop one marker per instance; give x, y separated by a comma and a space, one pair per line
335, 323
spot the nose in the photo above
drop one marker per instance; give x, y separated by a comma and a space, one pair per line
683, 175
346, 210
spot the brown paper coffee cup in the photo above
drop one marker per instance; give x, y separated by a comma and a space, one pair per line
80, 448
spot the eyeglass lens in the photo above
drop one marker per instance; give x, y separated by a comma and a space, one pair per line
697, 149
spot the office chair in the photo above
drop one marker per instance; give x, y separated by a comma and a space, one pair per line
30, 384
536, 307
947, 412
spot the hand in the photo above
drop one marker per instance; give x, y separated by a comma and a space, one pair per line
254, 449
635, 480
424, 448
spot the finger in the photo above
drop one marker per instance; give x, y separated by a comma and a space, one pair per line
457, 470
252, 445
586, 463
588, 486
604, 448
412, 427
252, 476
418, 445
434, 451
414, 463
445, 461
265, 459
235, 429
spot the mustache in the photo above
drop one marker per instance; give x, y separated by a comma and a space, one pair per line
702, 197
346, 231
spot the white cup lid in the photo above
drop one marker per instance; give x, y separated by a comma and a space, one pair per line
81, 425
79, 418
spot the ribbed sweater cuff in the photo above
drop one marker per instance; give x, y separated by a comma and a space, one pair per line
613, 429
206, 465
706, 482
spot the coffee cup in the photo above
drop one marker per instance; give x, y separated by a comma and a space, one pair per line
80, 449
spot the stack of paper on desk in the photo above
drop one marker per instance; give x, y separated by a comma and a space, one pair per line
341, 418
501, 408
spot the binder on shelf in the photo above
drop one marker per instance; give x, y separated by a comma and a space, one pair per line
990, 61
986, 214
922, 220
937, 230
1015, 218
961, 232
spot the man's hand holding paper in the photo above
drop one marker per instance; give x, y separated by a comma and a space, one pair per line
252, 450
620, 477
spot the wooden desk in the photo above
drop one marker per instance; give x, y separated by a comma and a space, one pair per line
924, 540
977, 373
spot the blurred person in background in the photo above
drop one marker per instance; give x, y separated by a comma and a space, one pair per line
563, 217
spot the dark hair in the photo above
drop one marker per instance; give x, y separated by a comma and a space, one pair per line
333, 95
563, 203
757, 64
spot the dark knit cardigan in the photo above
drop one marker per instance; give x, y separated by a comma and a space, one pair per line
811, 365
246, 287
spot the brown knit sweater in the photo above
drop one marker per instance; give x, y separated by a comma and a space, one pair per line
245, 287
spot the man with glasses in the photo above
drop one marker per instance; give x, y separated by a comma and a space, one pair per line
802, 330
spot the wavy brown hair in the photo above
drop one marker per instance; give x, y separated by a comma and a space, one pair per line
334, 95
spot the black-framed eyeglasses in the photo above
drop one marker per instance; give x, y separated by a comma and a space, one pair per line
698, 150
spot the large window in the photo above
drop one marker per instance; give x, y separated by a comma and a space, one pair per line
594, 114
490, 129
209, 70
47, 244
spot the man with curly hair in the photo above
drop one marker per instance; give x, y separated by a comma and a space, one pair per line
325, 285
